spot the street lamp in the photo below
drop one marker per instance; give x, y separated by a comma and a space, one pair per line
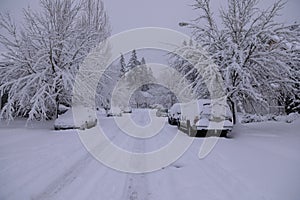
190, 25
182, 24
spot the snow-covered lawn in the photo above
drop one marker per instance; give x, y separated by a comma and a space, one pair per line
261, 161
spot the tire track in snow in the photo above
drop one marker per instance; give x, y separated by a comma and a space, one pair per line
30, 175
66, 179
136, 187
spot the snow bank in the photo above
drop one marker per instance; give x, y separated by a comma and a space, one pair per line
292, 117
250, 118
66, 121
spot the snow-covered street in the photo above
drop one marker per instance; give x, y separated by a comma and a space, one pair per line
260, 161
126, 100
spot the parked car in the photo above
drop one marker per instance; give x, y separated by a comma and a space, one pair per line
174, 114
205, 116
62, 109
114, 112
85, 120
156, 106
162, 112
127, 109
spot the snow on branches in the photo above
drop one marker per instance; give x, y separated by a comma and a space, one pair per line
43, 56
257, 56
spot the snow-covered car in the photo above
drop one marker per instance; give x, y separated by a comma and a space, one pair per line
127, 109
162, 112
62, 109
86, 120
156, 106
114, 112
214, 117
174, 114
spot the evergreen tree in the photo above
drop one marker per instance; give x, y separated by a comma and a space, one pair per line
133, 61
146, 74
143, 61
123, 65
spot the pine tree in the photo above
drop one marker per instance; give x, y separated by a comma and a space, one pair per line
146, 74
122, 65
133, 61
138, 74
143, 61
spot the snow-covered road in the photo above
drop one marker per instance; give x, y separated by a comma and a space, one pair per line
261, 161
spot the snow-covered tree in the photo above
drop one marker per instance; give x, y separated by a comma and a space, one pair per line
122, 65
147, 74
140, 71
43, 56
177, 85
136, 74
133, 61
188, 70
250, 48
143, 61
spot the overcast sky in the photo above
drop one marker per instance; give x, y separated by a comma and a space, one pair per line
127, 14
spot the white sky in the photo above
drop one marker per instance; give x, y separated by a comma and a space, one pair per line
127, 14
167, 13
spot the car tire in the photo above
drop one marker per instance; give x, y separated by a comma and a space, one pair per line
189, 128
224, 134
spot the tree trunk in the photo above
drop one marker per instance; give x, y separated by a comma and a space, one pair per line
234, 112
57, 106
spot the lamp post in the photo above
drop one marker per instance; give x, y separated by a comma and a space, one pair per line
190, 25
182, 24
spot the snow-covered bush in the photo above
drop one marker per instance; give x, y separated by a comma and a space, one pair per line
292, 117
250, 118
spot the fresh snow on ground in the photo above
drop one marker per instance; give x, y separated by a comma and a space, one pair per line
260, 161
